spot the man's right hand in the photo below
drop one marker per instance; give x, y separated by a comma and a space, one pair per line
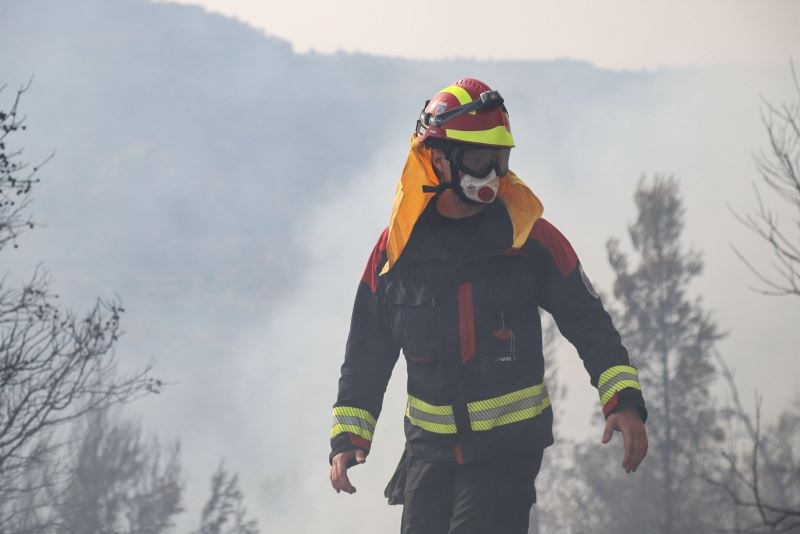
339, 479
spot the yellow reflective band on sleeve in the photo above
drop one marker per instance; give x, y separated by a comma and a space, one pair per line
459, 92
509, 408
616, 379
349, 411
352, 429
353, 420
497, 136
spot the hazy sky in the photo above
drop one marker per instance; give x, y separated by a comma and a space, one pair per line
616, 34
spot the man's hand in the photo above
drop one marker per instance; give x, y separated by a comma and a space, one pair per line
339, 479
633, 433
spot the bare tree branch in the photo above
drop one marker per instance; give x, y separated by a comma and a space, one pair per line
764, 514
779, 168
55, 366
16, 176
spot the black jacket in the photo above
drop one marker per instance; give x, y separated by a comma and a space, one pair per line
470, 331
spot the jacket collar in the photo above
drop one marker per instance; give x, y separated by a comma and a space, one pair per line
493, 237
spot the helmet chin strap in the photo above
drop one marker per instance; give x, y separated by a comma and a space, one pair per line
454, 184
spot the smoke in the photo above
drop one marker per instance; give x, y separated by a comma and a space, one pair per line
256, 387
702, 126
288, 369
287, 365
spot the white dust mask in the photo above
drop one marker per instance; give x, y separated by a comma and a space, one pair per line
483, 190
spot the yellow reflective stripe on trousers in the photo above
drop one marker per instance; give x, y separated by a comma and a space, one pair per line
498, 136
436, 419
483, 414
353, 420
509, 408
616, 379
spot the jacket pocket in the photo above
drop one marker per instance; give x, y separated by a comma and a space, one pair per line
413, 314
504, 313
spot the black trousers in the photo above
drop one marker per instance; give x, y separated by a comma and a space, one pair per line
489, 497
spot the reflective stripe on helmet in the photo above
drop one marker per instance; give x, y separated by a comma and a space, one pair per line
459, 92
353, 420
616, 379
484, 414
497, 136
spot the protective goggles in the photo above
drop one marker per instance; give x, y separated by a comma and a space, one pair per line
479, 162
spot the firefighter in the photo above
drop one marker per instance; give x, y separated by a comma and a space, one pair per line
456, 282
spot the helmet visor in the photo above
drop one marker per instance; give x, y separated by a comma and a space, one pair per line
479, 162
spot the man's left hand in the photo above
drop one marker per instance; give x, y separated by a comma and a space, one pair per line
633, 433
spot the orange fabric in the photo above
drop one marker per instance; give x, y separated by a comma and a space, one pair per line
523, 207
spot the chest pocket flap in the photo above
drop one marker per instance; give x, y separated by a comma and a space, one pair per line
414, 316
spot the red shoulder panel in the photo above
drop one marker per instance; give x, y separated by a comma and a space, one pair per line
370, 276
554, 241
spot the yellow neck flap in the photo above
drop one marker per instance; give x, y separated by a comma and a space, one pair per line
523, 207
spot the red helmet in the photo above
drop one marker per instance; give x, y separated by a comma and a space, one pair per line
466, 112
